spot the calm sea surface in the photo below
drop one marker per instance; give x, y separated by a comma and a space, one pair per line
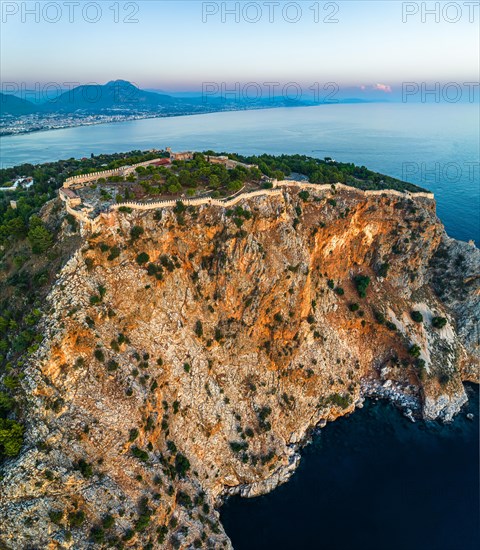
373, 481
434, 145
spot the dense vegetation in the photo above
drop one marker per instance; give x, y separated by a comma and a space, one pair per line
200, 173
198, 176
188, 177
325, 171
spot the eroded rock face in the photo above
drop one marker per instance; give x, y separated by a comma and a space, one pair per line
160, 388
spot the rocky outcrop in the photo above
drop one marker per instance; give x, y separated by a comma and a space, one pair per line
188, 354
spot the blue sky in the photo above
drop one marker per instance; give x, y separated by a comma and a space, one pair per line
178, 46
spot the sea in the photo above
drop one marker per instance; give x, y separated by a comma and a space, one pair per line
373, 480
434, 145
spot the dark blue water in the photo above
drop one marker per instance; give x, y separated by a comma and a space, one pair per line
434, 145
372, 481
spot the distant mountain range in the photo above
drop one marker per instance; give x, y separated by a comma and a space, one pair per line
118, 94
121, 96
13, 105
91, 98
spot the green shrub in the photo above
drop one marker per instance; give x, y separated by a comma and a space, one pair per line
77, 518
95, 299
182, 464
414, 350
153, 270
40, 238
184, 499
11, 437
11, 382
199, 328
114, 253
383, 269
6, 404
304, 195
85, 468
162, 533
129, 534
171, 447
56, 516
145, 514
339, 400
438, 322
379, 316
114, 345
238, 446
444, 378
362, 282
143, 521
142, 258
416, 316
99, 355
339, 290
263, 414
353, 307
97, 534
136, 232
139, 453
421, 369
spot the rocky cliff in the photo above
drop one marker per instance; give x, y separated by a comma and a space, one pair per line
188, 354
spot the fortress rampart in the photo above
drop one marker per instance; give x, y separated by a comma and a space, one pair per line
121, 171
92, 223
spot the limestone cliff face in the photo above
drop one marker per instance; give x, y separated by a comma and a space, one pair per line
160, 388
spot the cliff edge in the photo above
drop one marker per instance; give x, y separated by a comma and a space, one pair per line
189, 352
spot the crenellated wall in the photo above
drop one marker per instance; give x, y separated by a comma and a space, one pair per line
275, 191
196, 202
326, 186
264, 192
121, 171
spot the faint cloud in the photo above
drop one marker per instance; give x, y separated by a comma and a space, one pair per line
386, 88
383, 88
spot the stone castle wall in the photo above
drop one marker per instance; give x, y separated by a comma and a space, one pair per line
275, 191
121, 171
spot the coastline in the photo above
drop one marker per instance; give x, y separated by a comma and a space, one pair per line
351, 451
407, 406
129, 118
